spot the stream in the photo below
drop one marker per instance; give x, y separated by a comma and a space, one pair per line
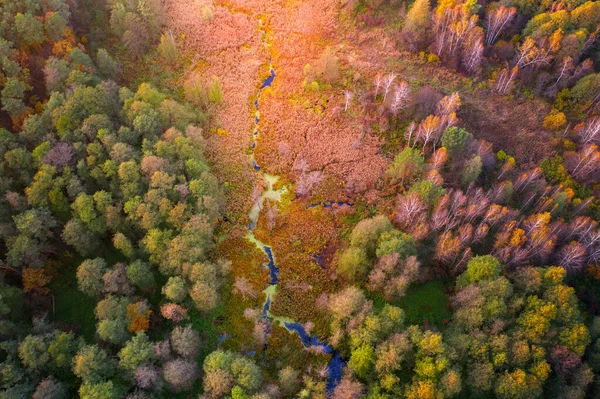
336, 364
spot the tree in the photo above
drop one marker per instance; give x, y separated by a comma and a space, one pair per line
31, 245
243, 286
471, 170
29, 29
113, 330
185, 341
395, 241
366, 233
176, 289
148, 377
122, 243
62, 349
204, 296
140, 274
136, 352
89, 276
362, 360
12, 96
55, 26
289, 380
408, 165
108, 67
246, 373
479, 268
416, 29
497, 20
33, 352
50, 388
172, 311
101, 390
454, 140
353, 263
92, 364
168, 49
116, 281
180, 374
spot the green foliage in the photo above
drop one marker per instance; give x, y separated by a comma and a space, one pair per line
141, 275
407, 166
471, 170
479, 268
168, 49
395, 241
29, 29
92, 364
361, 360
136, 352
428, 191
89, 276
454, 140
101, 390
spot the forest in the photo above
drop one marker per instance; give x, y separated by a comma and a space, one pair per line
311, 199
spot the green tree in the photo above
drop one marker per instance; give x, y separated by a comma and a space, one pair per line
12, 96
407, 166
454, 139
56, 26
89, 276
176, 289
361, 360
479, 268
113, 330
141, 275
62, 349
92, 364
108, 67
101, 390
471, 170
395, 241
168, 49
136, 352
123, 244
29, 29
33, 352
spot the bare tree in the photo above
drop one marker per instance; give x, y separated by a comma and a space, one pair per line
348, 97
378, 83
590, 131
387, 84
497, 20
243, 287
400, 97
505, 79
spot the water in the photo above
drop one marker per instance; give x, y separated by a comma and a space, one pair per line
336, 364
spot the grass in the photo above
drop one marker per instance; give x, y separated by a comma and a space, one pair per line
72, 306
426, 303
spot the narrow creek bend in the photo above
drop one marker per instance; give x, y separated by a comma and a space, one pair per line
336, 364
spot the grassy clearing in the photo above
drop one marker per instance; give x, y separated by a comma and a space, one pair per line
73, 307
426, 303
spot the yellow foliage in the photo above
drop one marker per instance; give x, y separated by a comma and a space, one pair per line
422, 390
138, 321
518, 238
35, 280
555, 120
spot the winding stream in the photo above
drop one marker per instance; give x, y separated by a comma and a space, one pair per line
336, 364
